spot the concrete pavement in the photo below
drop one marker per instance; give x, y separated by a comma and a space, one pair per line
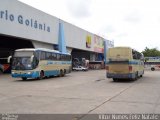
81, 93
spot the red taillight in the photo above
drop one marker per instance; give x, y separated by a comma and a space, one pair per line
130, 68
107, 67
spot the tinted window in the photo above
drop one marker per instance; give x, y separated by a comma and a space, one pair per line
54, 56
48, 56
36, 54
43, 55
58, 56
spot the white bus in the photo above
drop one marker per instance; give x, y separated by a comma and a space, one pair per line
39, 63
153, 63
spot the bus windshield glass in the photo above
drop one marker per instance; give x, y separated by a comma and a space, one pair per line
21, 63
22, 60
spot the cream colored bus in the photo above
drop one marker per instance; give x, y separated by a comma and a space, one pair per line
124, 63
39, 63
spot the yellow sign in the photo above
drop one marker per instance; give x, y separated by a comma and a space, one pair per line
88, 41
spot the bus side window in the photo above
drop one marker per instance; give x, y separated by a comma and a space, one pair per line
68, 58
48, 56
138, 56
54, 56
63, 57
43, 55
36, 54
58, 57
134, 56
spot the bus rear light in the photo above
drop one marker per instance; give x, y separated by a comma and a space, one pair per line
107, 67
130, 68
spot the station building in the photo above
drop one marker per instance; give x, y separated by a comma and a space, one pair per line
22, 26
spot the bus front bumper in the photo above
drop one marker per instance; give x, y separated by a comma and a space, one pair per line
123, 76
26, 74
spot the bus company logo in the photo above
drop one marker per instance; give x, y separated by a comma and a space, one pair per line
20, 19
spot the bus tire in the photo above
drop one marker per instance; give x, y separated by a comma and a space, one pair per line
41, 75
64, 72
24, 78
153, 69
142, 74
61, 74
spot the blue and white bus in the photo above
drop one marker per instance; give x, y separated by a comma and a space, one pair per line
153, 63
39, 63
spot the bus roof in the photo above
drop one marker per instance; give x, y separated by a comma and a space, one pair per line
120, 47
40, 49
124, 47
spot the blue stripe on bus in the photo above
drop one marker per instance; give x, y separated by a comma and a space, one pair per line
34, 74
59, 62
134, 62
51, 73
121, 62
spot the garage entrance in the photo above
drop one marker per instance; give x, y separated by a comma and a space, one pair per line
80, 54
8, 44
81, 58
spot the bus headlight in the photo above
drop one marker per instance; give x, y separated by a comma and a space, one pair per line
29, 73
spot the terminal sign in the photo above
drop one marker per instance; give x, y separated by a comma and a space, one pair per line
20, 19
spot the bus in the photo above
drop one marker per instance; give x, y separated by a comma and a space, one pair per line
152, 63
124, 63
4, 66
39, 63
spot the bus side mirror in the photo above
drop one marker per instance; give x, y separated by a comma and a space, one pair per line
32, 58
9, 59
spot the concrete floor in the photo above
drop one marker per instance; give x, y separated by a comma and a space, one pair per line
80, 93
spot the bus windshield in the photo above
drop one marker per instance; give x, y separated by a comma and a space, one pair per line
21, 63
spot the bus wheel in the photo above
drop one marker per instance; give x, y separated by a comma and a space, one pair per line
61, 73
24, 78
153, 69
41, 75
64, 72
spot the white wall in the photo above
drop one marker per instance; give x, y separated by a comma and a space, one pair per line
76, 37
13, 13
18, 19
37, 44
